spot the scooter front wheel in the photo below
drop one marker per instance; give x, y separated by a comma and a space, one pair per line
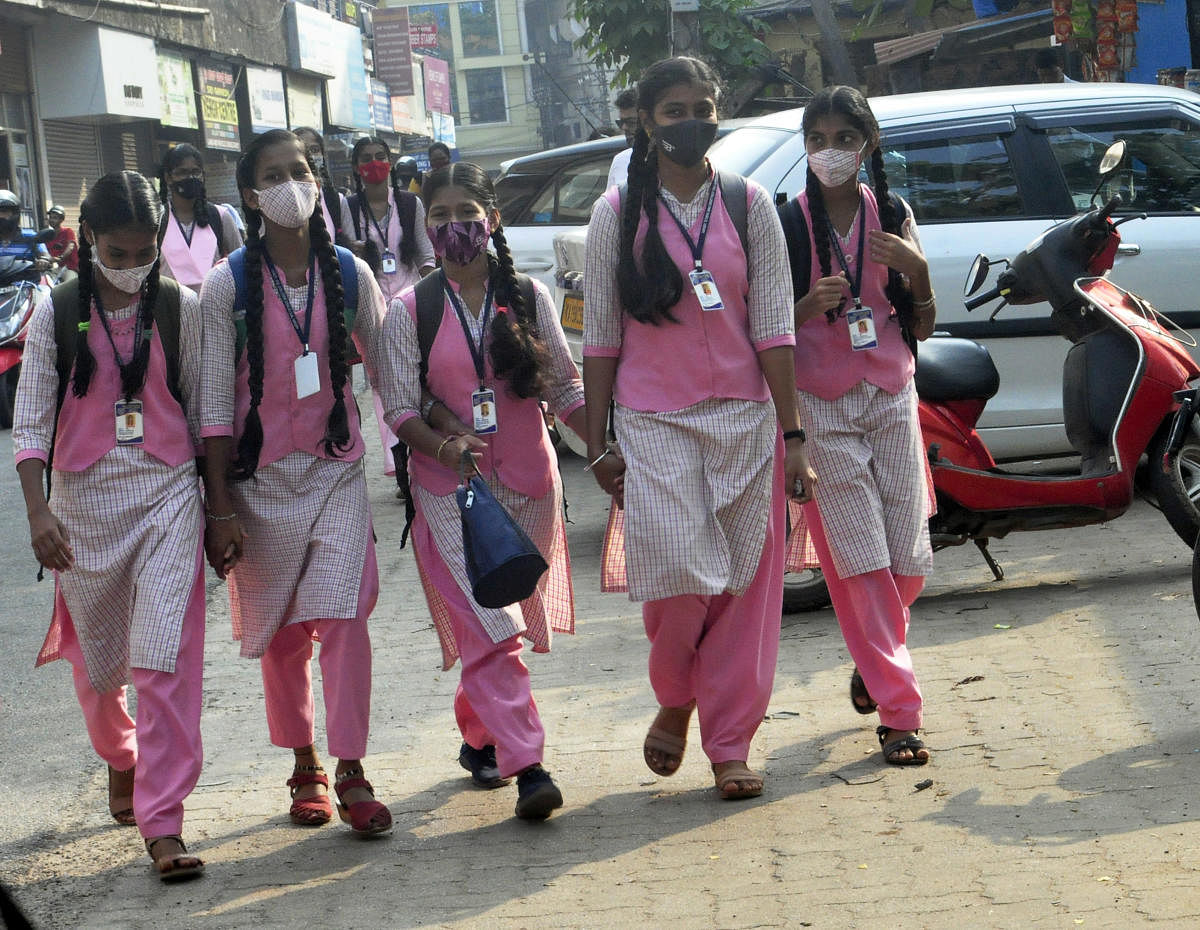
804, 591
1175, 480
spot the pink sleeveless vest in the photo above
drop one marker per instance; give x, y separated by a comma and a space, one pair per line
189, 263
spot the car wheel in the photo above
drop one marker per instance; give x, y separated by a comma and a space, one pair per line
804, 591
1176, 483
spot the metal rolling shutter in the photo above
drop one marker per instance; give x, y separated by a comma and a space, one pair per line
14, 63
73, 155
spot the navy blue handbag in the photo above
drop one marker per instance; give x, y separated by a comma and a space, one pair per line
502, 562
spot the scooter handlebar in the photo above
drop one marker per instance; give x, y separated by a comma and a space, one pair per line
972, 303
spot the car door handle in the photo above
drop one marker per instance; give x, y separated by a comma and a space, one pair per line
535, 266
1129, 248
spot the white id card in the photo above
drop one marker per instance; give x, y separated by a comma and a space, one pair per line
308, 375
706, 289
862, 328
130, 429
483, 404
389, 263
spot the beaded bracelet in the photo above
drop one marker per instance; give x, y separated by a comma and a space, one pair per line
219, 519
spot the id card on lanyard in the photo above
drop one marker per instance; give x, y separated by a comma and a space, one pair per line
703, 284
127, 413
483, 400
387, 261
305, 368
861, 320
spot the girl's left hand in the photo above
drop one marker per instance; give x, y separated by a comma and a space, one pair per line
798, 475
890, 250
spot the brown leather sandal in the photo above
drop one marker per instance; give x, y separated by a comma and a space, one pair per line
175, 868
121, 806
314, 811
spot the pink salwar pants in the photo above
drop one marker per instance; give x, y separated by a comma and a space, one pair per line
873, 611
165, 743
720, 650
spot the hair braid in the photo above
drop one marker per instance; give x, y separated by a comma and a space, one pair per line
408, 244
85, 362
649, 289
371, 254
200, 209
517, 352
250, 444
337, 429
820, 229
133, 375
898, 293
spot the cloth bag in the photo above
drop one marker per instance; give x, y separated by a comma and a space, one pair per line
502, 562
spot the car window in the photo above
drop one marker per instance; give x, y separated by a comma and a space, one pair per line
513, 195
568, 201
1160, 173
960, 178
745, 149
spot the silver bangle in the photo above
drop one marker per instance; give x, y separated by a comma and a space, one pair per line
208, 515
427, 409
926, 303
590, 465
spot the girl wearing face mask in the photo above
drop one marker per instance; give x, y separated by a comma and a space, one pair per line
857, 321
493, 358
691, 335
194, 234
122, 427
288, 522
332, 201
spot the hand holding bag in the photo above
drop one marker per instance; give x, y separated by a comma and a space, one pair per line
502, 562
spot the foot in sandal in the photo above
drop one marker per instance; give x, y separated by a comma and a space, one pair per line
902, 747
172, 861
666, 739
120, 796
735, 780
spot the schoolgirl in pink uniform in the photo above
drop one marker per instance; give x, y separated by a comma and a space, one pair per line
288, 520
191, 242
487, 340
122, 528
868, 523
692, 338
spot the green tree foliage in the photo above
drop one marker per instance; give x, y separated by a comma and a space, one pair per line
629, 35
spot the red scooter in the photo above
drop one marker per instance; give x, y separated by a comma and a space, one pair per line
22, 285
1120, 379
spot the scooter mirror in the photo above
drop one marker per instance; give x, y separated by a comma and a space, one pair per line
1112, 158
45, 235
977, 275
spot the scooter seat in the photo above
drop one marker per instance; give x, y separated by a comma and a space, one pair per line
955, 369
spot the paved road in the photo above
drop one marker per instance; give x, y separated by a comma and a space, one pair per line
1064, 769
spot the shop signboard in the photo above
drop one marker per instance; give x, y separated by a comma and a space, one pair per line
176, 92
393, 50
218, 107
437, 85
268, 106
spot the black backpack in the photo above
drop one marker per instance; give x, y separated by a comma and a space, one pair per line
799, 246
431, 307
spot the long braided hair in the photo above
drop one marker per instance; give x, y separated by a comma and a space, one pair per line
408, 243
175, 157
517, 352
651, 284
337, 440
848, 103
116, 201
329, 192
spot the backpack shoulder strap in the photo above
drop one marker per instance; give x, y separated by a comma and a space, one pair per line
734, 192
166, 320
237, 266
162, 226
799, 246
406, 213
430, 306
333, 205
65, 300
216, 220
352, 203
529, 295
349, 284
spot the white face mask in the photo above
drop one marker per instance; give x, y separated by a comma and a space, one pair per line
125, 280
289, 204
834, 167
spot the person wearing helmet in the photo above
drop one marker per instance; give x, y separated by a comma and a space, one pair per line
15, 241
407, 174
63, 248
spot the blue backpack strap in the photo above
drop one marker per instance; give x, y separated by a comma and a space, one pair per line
237, 266
349, 284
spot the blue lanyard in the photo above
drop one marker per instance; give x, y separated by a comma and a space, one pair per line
476, 350
143, 323
697, 247
302, 334
856, 283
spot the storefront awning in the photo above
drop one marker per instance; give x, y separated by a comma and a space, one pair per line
985, 35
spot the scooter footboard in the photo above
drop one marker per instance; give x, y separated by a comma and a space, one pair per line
1096, 376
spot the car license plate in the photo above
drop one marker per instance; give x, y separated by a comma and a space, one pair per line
572, 312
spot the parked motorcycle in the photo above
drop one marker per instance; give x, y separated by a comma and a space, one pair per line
1123, 380
22, 285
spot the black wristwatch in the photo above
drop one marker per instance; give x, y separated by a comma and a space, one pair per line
795, 434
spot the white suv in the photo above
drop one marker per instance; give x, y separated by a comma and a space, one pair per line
987, 170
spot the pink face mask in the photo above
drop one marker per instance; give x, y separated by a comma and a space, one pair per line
460, 242
834, 167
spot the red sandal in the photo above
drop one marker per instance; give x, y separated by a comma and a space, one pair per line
314, 811
366, 818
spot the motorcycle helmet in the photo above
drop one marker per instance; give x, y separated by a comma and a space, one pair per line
9, 199
56, 209
407, 167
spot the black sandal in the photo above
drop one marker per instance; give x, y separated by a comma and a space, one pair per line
859, 693
913, 743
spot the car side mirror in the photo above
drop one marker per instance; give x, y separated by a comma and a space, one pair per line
977, 275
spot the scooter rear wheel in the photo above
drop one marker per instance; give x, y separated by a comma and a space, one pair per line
1177, 486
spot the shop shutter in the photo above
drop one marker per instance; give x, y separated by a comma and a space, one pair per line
128, 147
14, 64
73, 154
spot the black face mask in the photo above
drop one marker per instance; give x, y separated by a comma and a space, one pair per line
189, 188
685, 143
8, 227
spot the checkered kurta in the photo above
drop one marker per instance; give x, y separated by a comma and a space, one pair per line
135, 524
306, 518
874, 487
697, 496
551, 608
